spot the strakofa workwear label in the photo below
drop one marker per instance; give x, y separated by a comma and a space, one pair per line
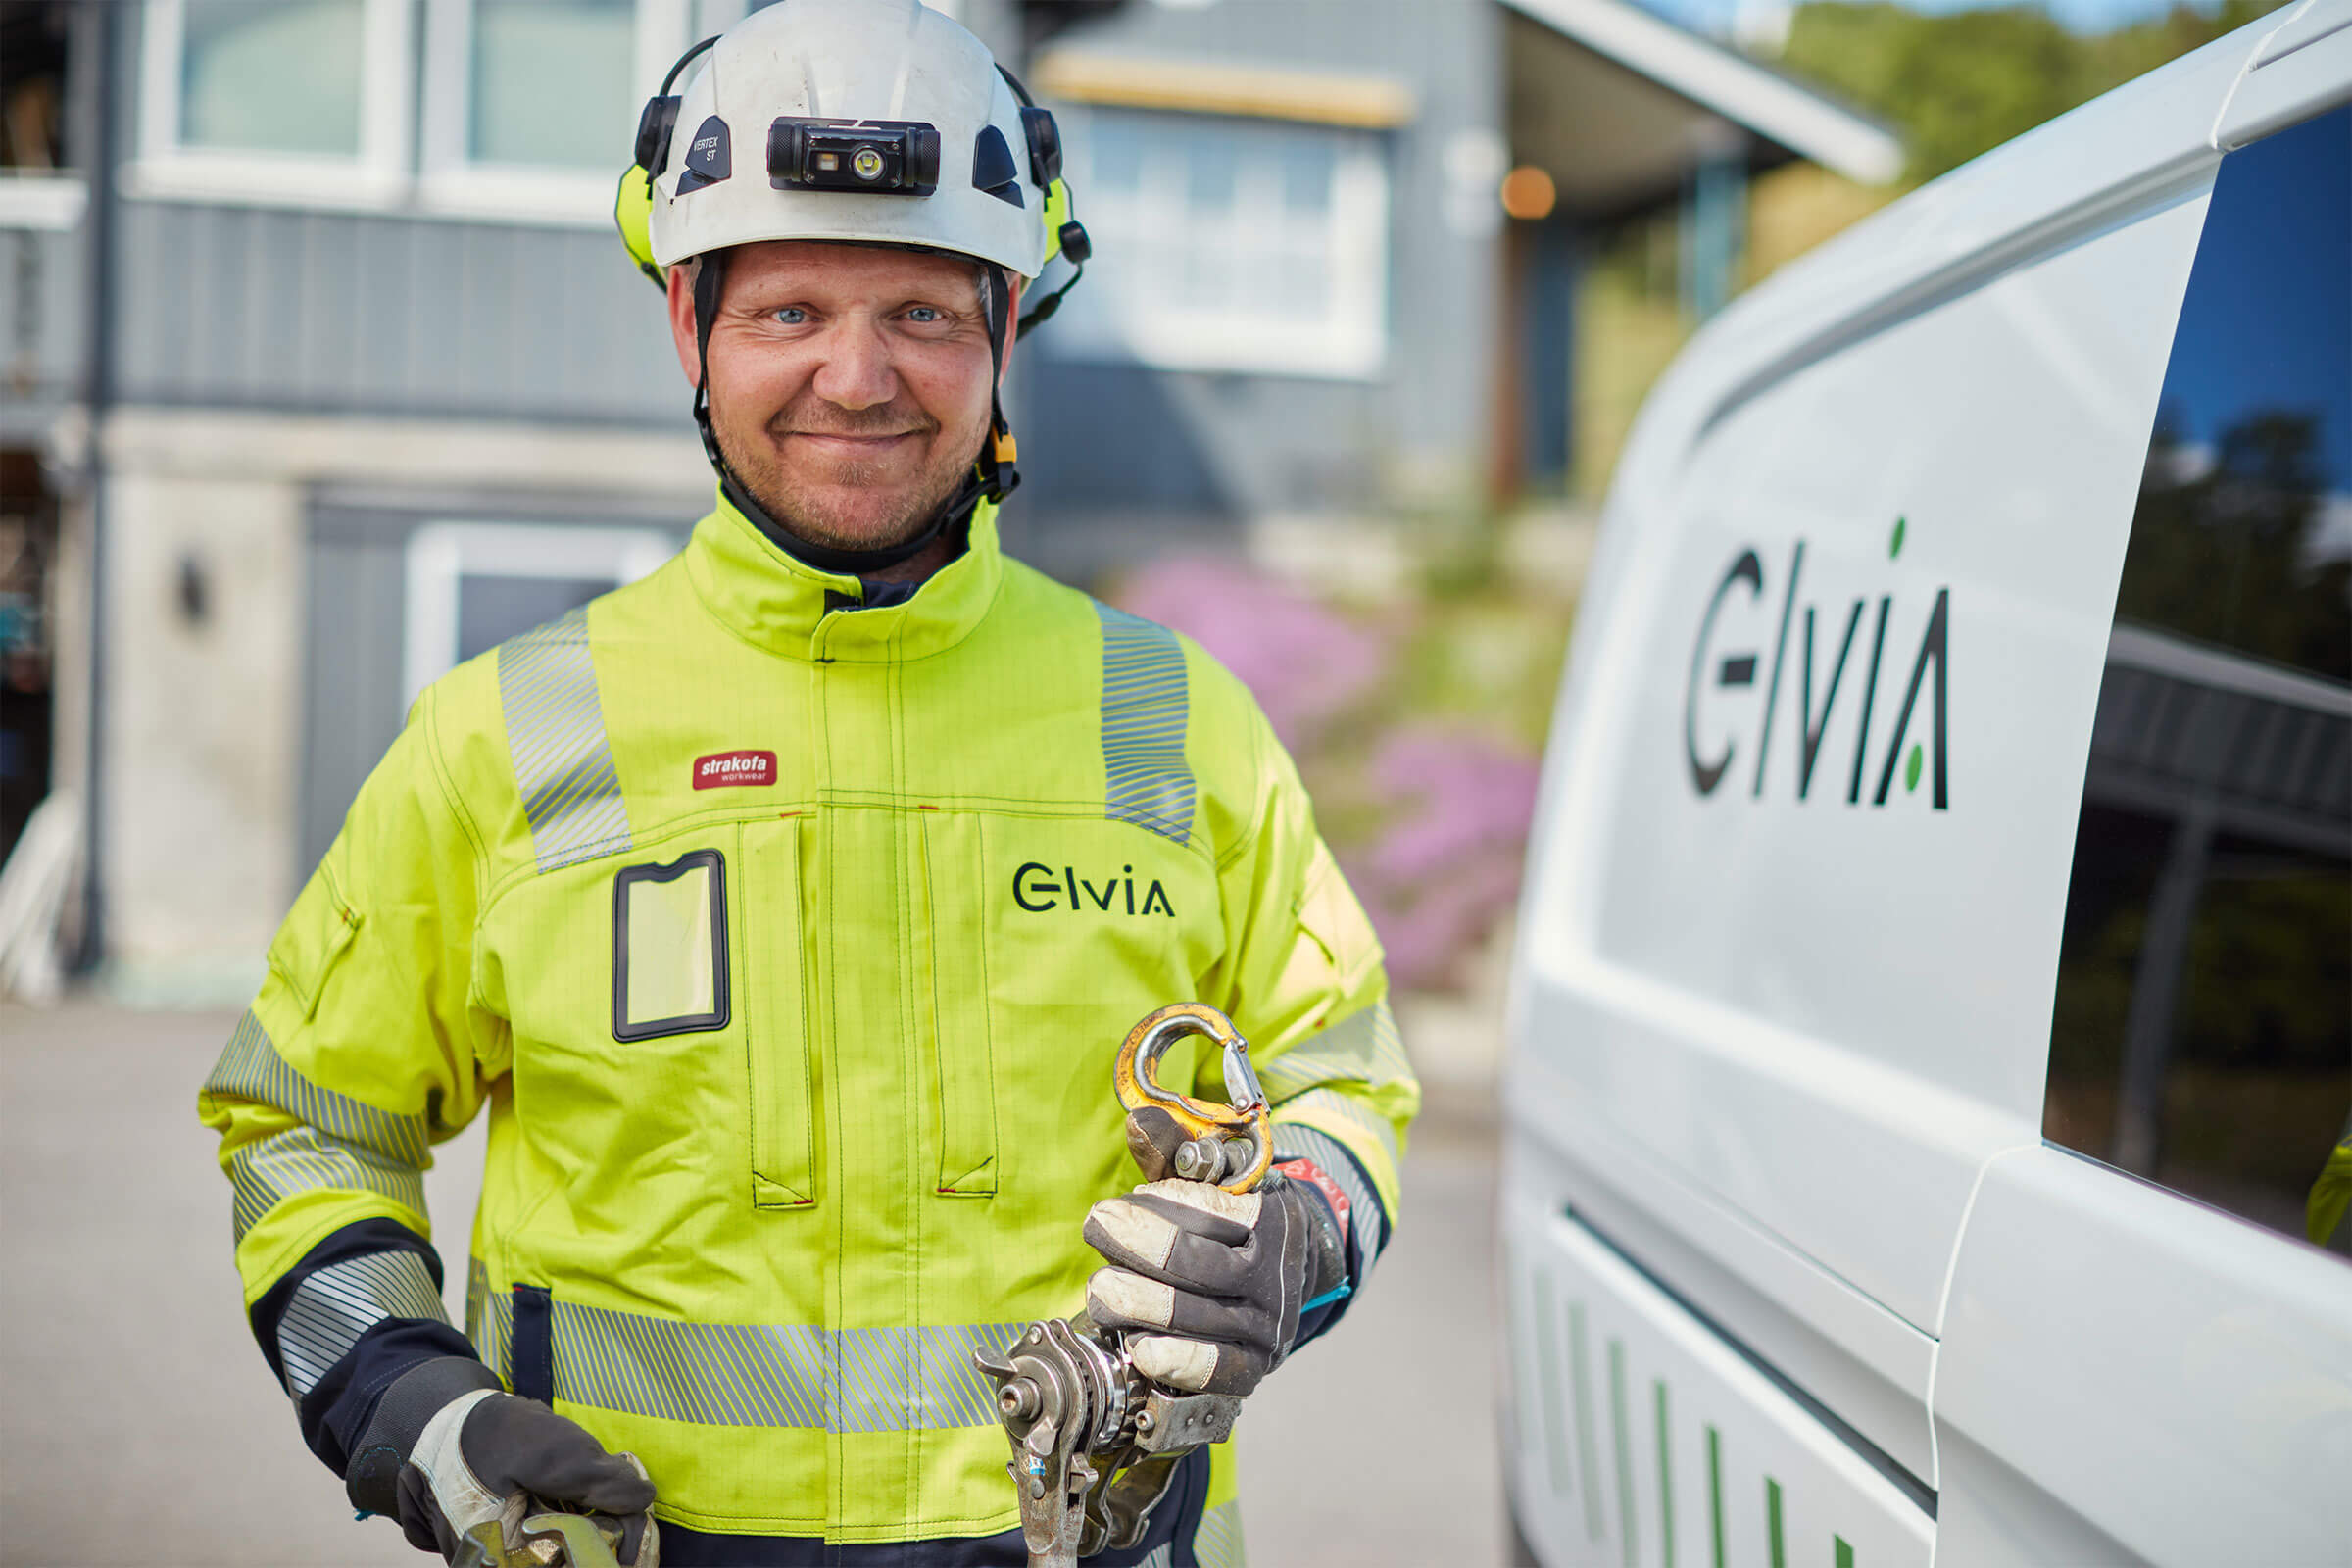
734, 767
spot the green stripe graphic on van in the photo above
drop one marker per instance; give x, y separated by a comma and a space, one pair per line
1589, 1465
1624, 1459
1665, 1481
1548, 1370
1581, 1371
1715, 1490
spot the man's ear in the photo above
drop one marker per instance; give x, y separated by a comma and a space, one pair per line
1013, 317
681, 323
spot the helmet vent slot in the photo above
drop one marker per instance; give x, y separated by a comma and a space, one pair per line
993, 170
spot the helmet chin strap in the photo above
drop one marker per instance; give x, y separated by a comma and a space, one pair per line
992, 478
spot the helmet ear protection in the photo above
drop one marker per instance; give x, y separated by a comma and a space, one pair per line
659, 121
799, 155
1065, 236
633, 203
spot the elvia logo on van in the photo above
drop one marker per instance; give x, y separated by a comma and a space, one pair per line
1713, 673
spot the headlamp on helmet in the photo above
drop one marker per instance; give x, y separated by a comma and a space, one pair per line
887, 157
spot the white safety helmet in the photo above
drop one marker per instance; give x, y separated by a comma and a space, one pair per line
873, 122
880, 120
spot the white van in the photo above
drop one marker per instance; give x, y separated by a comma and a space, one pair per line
1933, 1007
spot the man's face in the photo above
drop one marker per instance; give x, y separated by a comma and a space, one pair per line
850, 384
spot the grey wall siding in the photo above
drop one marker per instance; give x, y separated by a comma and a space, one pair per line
351, 691
43, 286
333, 312
356, 632
1229, 446
1259, 444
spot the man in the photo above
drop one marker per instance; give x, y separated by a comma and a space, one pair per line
785, 910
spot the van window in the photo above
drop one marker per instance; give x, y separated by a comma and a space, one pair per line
2202, 1030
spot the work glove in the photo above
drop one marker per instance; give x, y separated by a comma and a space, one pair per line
1209, 1282
487, 1456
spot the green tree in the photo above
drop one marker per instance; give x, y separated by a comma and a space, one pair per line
2226, 549
1962, 83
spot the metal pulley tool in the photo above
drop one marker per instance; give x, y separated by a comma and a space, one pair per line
1096, 1445
544, 1540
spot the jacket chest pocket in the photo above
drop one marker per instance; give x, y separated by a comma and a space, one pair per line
1046, 941
657, 1013
957, 1040
775, 1026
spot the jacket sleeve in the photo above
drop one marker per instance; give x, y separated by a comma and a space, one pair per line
1302, 980
357, 1055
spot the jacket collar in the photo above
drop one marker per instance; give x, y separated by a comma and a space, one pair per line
775, 602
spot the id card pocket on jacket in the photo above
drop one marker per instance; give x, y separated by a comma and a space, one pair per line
670, 947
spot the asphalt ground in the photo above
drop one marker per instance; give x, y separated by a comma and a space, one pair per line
139, 1425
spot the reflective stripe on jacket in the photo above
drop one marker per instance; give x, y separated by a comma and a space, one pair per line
788, 946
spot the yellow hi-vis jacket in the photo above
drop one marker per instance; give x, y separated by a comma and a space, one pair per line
789, 943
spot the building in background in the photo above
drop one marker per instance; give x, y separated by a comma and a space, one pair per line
338, 375
1310, 299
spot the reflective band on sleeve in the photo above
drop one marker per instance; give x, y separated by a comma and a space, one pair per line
250, 1069
555, 732
1361, 1048
302, 1159
343, 1143
331, 1308
759, 1374
1332, 1105
1218, 1544
1144, 713
1369, 1220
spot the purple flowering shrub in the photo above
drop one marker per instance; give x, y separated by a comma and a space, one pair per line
1447, 867
1307, 665
1427, 814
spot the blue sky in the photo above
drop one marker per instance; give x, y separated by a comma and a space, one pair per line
2266, 313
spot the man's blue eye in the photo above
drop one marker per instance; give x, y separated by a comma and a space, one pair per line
792, 315
924, 313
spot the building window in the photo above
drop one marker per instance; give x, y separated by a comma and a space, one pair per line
1229, 244
528, 108
237, 92
2202, 1032
274, 100
36, 189
531, 105
549, 81
472, 585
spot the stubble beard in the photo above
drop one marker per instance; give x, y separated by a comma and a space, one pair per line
809, 518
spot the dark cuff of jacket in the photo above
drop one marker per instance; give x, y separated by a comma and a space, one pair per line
1322, 1313
336, 1410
